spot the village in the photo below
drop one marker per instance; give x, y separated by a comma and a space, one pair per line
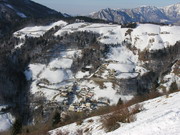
78, 98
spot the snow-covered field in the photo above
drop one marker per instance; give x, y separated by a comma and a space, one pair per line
144, 36
126, 62
48, 79
37, 31
154, 37
160, 116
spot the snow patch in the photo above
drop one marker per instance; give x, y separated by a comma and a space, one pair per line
21, 14
6, 121
61, 63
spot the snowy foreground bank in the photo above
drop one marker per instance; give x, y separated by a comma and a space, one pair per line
161, 116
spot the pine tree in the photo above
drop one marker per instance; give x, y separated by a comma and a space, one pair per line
120, 102
56, 118
17, 127
173, 87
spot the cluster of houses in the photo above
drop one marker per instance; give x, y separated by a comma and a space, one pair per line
88, 105
84, 100
110, 73
75, 98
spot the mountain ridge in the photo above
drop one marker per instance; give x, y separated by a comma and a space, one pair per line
168, 14
16, 13
27, 7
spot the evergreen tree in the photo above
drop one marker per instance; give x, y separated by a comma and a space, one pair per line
120, 102
173, 87
56, 118
17, 127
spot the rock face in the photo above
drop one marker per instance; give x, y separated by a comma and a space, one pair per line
82, 66
169, 14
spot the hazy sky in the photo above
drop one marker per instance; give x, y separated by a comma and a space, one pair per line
83, 7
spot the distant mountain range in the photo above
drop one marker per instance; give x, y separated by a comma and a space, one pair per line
169, 14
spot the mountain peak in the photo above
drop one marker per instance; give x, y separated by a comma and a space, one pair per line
177, 5
147, 6
169, 14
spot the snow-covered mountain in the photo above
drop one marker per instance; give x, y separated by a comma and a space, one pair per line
169, 14
120, 63
172, 12
81, 66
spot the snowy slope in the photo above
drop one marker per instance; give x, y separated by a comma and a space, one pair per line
161, 116
56, 78
37, 31
154, 37
58, 85
172, 11
145, 36
111, 34
48, 79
